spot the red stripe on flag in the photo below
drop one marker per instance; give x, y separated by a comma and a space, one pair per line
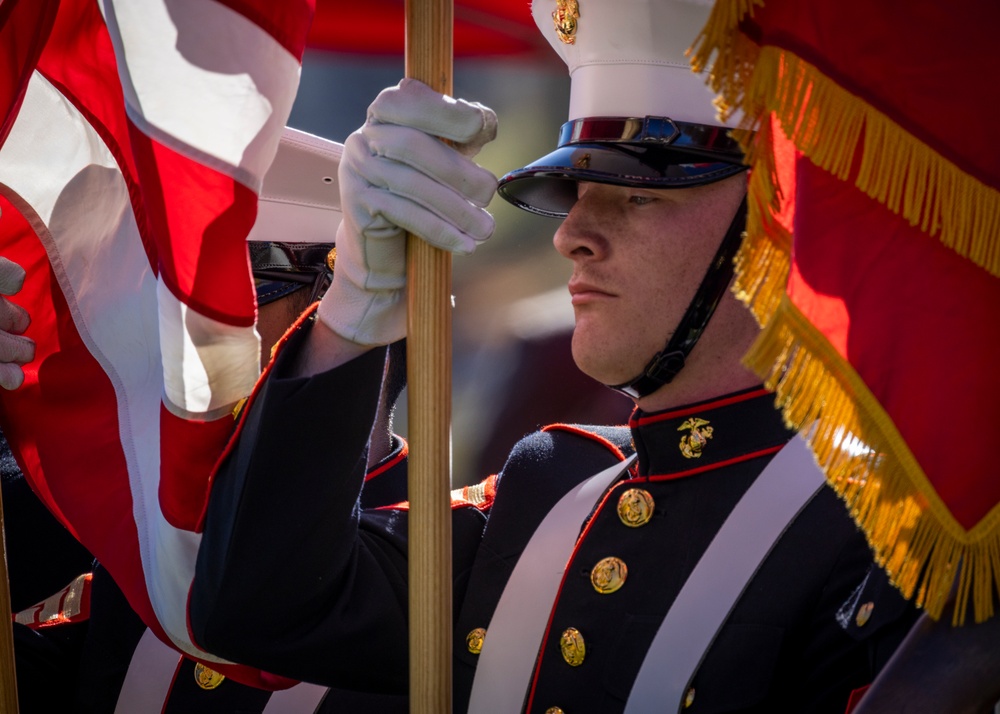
200, 219
188, 452
287, 21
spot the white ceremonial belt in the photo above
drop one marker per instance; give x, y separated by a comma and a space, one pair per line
150, 677
303, 698
150, 674
766, 510
518, 624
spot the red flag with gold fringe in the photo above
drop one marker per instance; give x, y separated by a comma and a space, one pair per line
872, 260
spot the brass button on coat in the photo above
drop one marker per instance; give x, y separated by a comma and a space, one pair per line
206, 677
574, 649
608, 575
635, 507
554, 710
689, 698
864, 613
474, 640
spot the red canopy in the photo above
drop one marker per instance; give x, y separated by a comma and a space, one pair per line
482, 27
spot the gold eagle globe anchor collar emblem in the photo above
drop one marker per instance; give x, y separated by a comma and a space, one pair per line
692, 444
565, 17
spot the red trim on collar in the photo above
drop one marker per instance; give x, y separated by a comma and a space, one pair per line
588, 434
714, 465
387, 464
704, 406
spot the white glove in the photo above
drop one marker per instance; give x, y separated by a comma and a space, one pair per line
15, 349
397, 176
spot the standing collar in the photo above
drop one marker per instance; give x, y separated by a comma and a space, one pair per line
708, 434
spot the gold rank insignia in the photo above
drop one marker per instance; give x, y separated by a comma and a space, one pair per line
692, 444
565, 15
206, 677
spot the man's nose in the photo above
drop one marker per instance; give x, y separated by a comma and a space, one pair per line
577, 236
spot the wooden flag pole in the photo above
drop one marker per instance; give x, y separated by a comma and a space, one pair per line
428, 347
8, 678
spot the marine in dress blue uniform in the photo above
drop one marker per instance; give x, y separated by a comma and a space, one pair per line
811, 623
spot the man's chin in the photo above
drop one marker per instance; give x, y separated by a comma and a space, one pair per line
601, 366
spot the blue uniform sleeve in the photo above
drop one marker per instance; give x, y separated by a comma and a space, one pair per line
294, 577
290, 578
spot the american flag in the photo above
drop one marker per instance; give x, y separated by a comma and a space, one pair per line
135, 137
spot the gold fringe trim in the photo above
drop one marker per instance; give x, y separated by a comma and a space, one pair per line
866, 461
764, 258
734, 65
827, 124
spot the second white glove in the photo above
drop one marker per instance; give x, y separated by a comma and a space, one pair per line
397, 176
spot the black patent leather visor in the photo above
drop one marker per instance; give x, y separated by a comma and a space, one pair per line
279, 269
651, 152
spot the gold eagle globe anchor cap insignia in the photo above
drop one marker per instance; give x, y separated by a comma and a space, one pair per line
692, 444
565, 18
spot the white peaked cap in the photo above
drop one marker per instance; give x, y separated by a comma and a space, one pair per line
300, 198
628, 58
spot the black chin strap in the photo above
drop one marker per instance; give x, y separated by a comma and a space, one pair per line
666, 364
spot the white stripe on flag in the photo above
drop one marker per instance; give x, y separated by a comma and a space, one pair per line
199, 93
207, 366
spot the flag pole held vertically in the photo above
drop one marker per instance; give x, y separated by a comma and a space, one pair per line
8, 678
429, 59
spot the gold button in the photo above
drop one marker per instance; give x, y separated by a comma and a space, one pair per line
331, 259
608, 575
689, 698
474, 640
574, 649
635, 507
864, 613
206, 677
554, 710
